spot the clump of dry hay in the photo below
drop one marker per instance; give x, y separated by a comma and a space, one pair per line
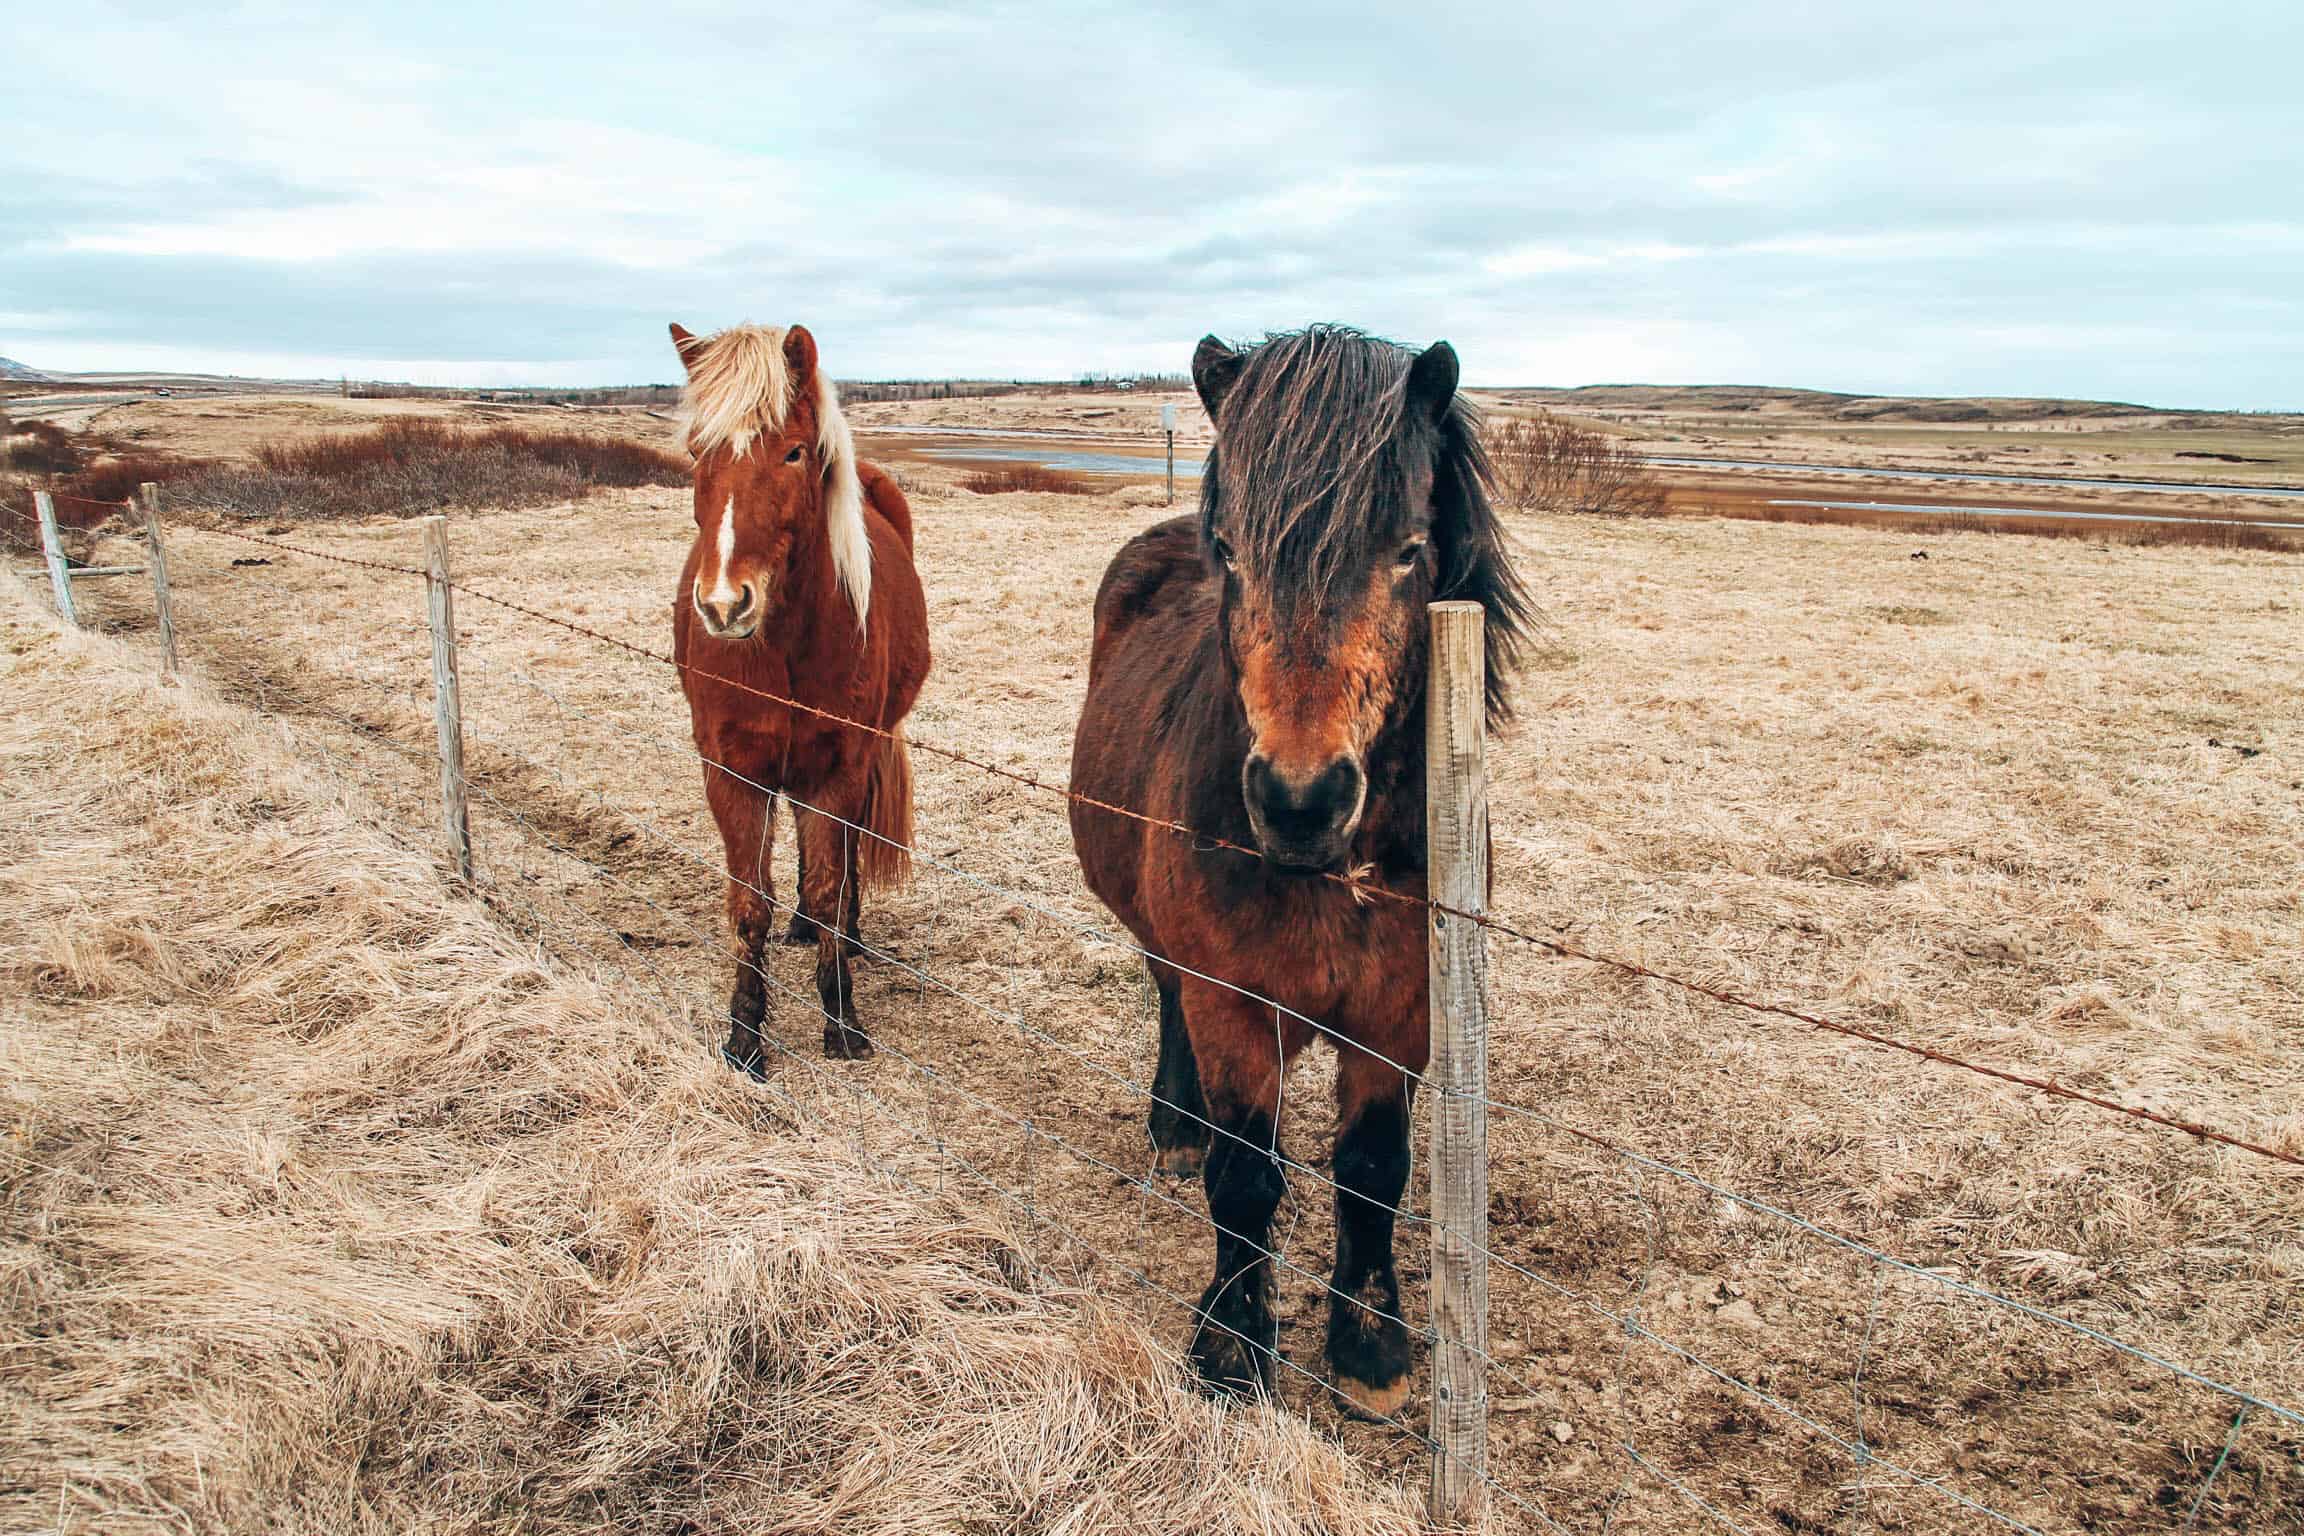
328, 1205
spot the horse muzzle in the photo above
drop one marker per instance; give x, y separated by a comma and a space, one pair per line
1304, 823
730, 618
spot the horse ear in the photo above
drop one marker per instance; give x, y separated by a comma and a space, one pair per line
685, 343
1432, 379
800, 354
1215, 367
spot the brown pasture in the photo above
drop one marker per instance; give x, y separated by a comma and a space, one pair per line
2032, 801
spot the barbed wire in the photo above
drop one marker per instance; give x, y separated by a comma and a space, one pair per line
121, 505
688, 753
1362, 889
1303, 1170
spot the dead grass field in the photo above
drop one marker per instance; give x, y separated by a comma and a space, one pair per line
1995, 802
330, 1203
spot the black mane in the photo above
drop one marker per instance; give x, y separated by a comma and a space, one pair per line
1324, 491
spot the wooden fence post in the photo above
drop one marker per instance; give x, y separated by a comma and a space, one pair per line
447, 701
150, 494
52, 545
1168, 430
1456, 843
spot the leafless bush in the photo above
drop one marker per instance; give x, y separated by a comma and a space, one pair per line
397, 469
1546, 463
42, 448
1028, 477
87, 476
403, 468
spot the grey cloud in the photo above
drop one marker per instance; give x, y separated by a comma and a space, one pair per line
2029, 199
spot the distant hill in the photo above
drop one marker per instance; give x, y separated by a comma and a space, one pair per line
12, 369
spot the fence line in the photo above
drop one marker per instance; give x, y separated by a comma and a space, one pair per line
1627, 1321
1117, 940
1361, 889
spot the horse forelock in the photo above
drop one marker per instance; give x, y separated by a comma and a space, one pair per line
1309, 474
740, 386
1309, 477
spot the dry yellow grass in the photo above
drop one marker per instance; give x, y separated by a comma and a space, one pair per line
329, 1204
1972, 800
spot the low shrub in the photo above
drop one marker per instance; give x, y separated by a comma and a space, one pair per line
87, 480
42, 448
1028, 477
400, 468
1546, 463
415, 465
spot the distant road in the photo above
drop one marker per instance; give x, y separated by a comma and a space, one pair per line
22, 403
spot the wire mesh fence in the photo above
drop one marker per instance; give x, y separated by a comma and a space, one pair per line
1626, 1374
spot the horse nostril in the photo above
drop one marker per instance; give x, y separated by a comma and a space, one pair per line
1259, 780
1305, 809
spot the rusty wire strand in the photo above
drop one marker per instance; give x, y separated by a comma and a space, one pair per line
1362, 889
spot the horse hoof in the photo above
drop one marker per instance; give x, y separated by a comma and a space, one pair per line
1183, 1162
1370, 1355
1229, 1365
846, 1044
752, 1062
1364, 1400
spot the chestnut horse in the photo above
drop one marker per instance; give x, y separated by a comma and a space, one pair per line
1258, 675
800, 586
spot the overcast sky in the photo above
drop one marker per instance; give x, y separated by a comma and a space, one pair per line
2023, 197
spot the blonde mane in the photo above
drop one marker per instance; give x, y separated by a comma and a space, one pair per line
739, 386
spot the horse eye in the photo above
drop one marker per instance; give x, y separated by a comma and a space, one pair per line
1411, 552
794, 456
1224, 553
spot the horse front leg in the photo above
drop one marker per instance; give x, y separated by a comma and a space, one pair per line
1242, 1052
1178, 1122
1369, 1350
830, 892
747, 821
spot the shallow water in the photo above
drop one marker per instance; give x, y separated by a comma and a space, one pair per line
1187, 468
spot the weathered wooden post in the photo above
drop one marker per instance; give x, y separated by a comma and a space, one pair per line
149, 493
447, 701
1168, 426
1456, 843
52, 545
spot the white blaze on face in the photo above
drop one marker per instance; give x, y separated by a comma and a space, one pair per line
723, 590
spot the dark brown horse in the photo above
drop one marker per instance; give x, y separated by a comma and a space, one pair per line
800, 586
1259, 675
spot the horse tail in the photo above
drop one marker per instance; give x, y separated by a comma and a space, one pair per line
885, 857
